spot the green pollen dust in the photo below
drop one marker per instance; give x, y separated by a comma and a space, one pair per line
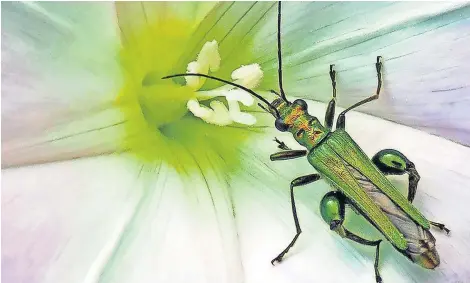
158, 125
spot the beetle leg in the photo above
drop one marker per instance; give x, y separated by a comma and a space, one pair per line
393, 162
341, 122
289, 154
333, 79
332, 208
366, 242
330, 111
440, 226
300, 181
281, 144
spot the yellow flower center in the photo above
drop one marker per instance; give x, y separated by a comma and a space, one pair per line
164, 118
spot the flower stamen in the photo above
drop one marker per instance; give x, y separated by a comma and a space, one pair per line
207, 59
248, 76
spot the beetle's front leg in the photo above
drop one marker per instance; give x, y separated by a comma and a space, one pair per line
332, 208
300, 181
281, 144
330, 111
393, 162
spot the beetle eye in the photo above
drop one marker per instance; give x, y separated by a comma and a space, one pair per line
301, 103
280, 125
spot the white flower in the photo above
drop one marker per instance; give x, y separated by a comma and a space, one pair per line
203, 202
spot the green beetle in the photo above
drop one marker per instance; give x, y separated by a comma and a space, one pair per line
357, 181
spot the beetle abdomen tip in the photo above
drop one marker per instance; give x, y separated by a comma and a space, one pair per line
423, 252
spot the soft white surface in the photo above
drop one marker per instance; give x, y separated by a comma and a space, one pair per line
72, 221
107, 219
57, 218
59, 78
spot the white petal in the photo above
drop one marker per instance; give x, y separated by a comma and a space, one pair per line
182, 223
84, 136
52, 77
108, 219
58, 219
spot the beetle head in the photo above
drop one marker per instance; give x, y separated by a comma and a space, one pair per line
289, 113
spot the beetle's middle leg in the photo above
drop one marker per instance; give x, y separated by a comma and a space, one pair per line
300, 181
332, 208
393, 162
288, 154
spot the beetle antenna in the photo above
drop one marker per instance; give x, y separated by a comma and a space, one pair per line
275, 93
230, 83
265, 109
279, 55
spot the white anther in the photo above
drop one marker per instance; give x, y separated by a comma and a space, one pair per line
218, 115
209, 55
193, 82
207, 59
248, 76
198, 110
208, 94
240, 117
240, 95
